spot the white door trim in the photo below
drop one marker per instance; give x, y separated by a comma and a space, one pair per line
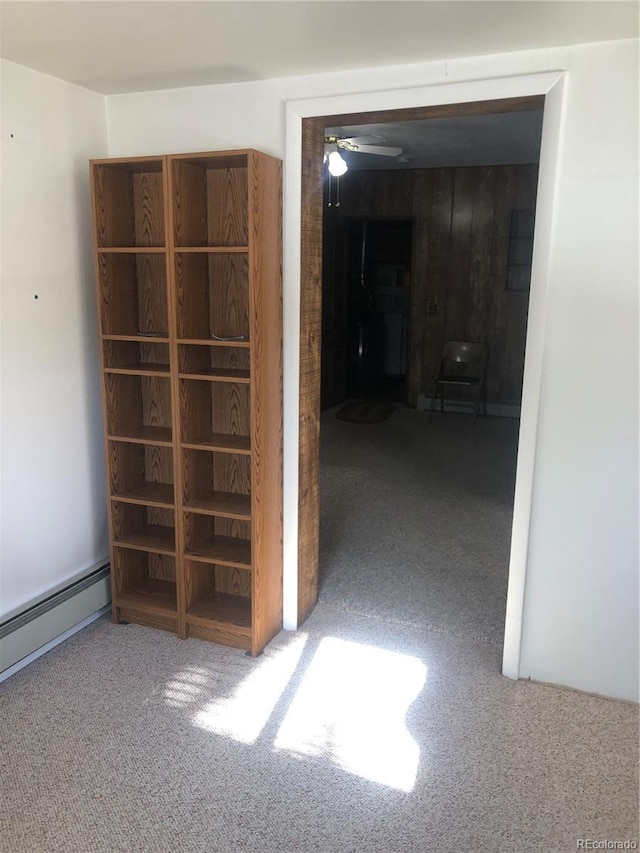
549, 84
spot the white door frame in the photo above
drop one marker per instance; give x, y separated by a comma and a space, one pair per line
551, 85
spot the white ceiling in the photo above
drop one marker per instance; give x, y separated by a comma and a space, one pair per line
120, 46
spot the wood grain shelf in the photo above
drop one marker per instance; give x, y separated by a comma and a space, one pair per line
221, 621
219, 374
138, 406
140, 368
144, 588
132, 293
152, 537
144, 356
226, 363
220, 250
188, 263
141, 474
216, 415
131, 250
129, 205
151, 494
224, 504
223, 608
222, 550
144, 435
152, 595
210, 201
217, 484
212, 342
220, 442
212, 294
159, 339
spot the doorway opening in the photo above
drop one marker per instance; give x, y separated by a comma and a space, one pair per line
313, 131
365, 308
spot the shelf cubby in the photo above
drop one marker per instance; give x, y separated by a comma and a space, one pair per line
223, 363
218, 603
217, 483
133, 294
129, 204
215, 615
210, 201
141, 474
138, 408
144, 587
215, 415
212, 296
143, 527
226, 541
144, 356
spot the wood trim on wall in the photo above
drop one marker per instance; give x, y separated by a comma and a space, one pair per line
311, 310
310, 347
475, 108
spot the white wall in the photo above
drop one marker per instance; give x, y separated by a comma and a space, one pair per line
580, 617
53, 511
581, 603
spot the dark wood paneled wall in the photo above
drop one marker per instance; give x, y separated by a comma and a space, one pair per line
460, 255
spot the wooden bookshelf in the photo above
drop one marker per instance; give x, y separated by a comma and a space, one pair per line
188, 255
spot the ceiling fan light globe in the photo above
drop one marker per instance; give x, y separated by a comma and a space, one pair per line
337, 165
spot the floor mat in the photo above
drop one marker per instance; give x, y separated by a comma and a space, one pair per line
365, 412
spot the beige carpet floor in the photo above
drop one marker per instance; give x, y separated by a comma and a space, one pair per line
382, 725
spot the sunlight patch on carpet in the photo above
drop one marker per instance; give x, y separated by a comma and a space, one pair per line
185, 687
244, 713
351, 708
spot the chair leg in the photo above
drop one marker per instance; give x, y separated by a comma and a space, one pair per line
475, 407
433, 399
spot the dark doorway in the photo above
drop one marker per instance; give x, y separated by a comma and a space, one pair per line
365, 317
311, 308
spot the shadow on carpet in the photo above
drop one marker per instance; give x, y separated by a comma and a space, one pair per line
365, 412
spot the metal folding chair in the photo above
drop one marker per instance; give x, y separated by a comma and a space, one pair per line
463, 365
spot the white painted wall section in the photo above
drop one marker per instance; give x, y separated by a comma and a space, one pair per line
579, 596
581, 601
53, 509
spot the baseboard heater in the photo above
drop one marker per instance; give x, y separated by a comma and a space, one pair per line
39, 624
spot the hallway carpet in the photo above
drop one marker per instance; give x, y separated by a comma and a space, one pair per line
416, 519
382, 725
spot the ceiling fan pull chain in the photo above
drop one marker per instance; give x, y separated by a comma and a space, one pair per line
338, 191
330, 179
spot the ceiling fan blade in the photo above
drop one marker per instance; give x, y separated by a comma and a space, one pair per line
384, 150
362, 140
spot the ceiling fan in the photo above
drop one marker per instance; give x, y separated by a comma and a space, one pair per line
356, 145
